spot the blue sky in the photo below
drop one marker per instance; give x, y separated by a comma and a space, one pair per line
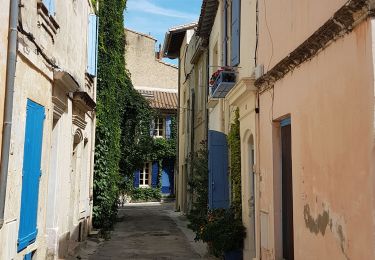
155, 17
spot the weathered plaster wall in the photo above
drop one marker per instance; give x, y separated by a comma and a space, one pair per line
145, 69
243, 97
283, 25
34, 80
39, 93
330, 102
182, 114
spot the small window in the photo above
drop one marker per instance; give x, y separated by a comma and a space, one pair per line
145, 176
159, 127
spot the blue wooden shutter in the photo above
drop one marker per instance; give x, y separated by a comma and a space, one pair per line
28, 256
225, 32
31, 173
155, 173
168, 122
136, 179
218, 185
92, 48
235, 43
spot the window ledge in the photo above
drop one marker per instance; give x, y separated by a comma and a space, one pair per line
212, 102
49, 23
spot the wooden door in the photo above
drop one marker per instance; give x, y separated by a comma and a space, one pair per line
287, 191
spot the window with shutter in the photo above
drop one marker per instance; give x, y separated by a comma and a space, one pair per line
168, 122
155, 174
159, 127
136, 178
145, 176
30, 175
225, 32
235, 40
92, 45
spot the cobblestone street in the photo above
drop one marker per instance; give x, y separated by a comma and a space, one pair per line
147, 231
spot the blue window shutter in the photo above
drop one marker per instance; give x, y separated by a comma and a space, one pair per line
136, 179
92, 48
235, 43
218, 185
225, 32
155, 173
28, 256
31, 173
168, 122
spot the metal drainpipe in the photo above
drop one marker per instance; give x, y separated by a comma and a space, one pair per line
8, 108
207, 92
177, 174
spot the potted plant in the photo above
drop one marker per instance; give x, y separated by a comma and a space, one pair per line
224, 233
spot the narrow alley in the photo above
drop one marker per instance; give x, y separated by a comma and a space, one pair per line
147, 231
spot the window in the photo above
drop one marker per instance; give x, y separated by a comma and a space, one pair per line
235, 40
92, 45
159, 127
145, 176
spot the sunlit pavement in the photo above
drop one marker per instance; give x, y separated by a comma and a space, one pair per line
147, 231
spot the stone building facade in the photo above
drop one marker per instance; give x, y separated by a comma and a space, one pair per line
48, 206
302, 77
181, 42
157, 81
144, 62
316, 127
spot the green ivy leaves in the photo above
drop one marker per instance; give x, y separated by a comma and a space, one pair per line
235, 164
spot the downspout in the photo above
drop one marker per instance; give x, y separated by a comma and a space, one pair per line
177, 167
207, 91
8, 108
258, 248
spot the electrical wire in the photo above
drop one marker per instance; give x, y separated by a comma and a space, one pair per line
269, 33
256, 32
31, 38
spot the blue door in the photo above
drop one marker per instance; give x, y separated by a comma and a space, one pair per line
31, 174
218, 185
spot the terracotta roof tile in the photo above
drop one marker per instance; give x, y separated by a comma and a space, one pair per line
160, 99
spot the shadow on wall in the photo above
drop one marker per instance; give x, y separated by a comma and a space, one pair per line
69, 242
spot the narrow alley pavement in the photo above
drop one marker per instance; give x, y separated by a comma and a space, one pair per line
147, 231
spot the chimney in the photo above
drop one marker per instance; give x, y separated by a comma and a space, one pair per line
158, 54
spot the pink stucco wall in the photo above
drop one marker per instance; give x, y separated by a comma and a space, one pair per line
330, 102
283, 25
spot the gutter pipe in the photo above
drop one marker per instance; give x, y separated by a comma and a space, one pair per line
8, 108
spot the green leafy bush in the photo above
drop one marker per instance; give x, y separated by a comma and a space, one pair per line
198, 188
145, 194
112, 89
223, 231
235, 165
